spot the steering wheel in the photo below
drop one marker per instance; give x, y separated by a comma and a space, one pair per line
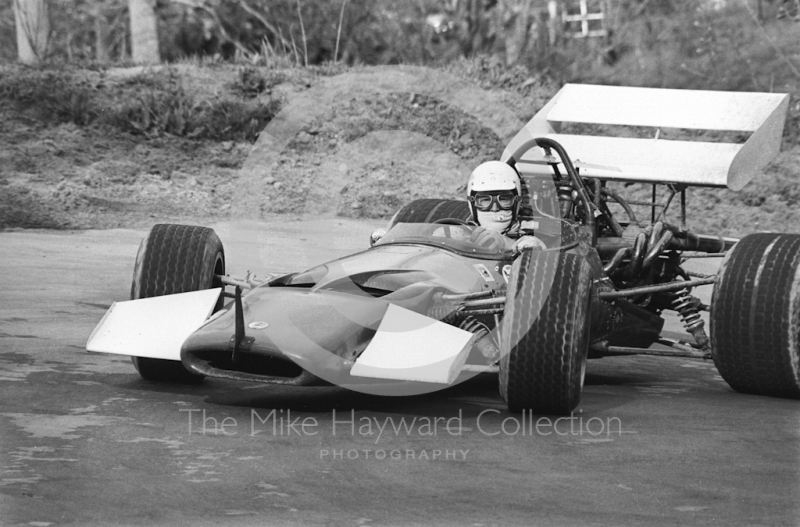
451, 221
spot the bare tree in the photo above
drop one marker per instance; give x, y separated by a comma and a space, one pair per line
144, 31
33, 29
516, 17
100, 33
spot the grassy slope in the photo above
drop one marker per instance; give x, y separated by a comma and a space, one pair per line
99, 149
110, 148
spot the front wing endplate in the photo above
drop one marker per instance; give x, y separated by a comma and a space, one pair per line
152, 327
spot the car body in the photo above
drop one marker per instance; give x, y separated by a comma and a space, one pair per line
436, 299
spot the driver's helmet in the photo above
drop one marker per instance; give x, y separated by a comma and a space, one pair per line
493, 192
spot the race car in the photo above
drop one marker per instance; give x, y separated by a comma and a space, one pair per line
436, 299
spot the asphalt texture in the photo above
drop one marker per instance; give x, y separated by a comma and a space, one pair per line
84, 440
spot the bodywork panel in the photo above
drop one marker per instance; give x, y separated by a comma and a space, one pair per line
393, 267
324, 318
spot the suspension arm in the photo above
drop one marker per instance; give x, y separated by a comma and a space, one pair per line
660, 288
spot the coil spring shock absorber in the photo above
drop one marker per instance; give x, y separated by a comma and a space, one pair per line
445, 312
484, 341
686, 306
455, 315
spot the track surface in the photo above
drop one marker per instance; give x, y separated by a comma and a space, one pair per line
84, 440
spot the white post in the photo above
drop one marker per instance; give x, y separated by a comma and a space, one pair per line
555, 22
144, 32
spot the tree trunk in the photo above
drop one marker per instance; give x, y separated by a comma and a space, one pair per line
144, 32
33, 29
516, 22
100, 35
555, 25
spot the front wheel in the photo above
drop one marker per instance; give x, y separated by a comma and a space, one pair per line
175, 259
755, 316
545, 333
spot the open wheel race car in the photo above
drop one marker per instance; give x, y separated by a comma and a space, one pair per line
436, 299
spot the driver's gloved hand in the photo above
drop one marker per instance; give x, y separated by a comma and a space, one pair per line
527, 243
488, 239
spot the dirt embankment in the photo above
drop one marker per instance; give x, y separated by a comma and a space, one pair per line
362, 158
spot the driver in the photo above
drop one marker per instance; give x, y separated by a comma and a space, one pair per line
494, 192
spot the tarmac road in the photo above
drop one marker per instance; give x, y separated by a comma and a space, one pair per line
83, 440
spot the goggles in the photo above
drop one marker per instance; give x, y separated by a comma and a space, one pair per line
485, 201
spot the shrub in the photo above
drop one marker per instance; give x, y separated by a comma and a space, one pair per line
52, 95
152, 103
235, 120
158, 110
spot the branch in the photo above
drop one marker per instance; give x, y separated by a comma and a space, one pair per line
339, 32
303, 33
255, 14
201, 5
294, 47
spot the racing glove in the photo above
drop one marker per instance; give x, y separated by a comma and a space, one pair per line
527, 243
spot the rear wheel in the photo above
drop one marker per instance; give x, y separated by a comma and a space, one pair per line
175, 259
431, 210
755, 316
545, 333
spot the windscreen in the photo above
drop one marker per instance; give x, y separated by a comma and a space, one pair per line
469, 240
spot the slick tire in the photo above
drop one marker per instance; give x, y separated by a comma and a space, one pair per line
431, 210
175, 259
755, 316
544, 339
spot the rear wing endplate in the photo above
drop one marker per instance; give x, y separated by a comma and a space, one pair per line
657, 160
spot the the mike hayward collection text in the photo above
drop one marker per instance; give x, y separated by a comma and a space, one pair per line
489, 423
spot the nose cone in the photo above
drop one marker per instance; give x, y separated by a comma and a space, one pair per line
318, 331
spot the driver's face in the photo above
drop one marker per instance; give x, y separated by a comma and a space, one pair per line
495, 220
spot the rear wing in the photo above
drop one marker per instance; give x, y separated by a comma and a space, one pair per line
656, 160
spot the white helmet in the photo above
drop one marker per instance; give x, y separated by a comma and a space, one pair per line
494, 176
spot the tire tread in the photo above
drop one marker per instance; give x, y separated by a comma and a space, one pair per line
755, 321
545, 333
429, 210
174, 259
